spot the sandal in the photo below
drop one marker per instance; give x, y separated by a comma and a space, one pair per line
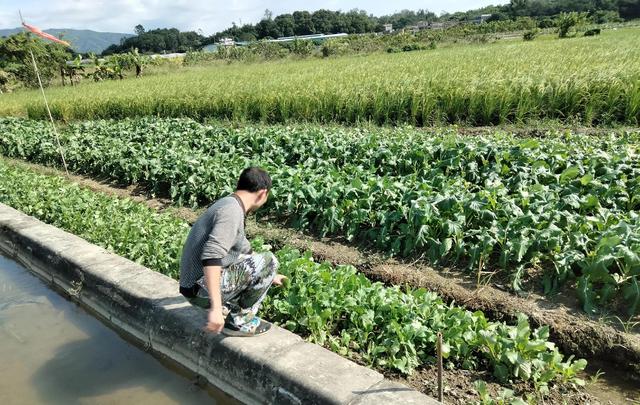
254, 327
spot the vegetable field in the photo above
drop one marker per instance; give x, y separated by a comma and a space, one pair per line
586, 80
389, 328
564, 206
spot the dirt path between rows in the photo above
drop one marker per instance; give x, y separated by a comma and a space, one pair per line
571, 329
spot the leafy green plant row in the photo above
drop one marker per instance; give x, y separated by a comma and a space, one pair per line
587, 80
565, 206
387, 327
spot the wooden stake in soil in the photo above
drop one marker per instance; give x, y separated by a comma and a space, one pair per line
479, 272
440, 386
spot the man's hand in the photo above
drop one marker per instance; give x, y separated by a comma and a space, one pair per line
216, 320
277, 280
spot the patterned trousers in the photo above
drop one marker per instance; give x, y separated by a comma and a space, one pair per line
244, 286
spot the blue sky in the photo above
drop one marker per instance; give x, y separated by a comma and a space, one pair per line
210, 16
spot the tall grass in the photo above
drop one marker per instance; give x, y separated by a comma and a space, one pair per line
586, 80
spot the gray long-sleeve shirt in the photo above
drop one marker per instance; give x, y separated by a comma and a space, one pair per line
216, 239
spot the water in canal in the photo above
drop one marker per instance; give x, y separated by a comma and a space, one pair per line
54, 352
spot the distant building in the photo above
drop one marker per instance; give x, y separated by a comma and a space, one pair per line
226, 42
388, 28
167, 55
482, 18
320, 37
429, 25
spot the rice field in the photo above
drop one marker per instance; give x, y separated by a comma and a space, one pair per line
591, 81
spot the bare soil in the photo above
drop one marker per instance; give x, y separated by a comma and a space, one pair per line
540, 130
459, 388
596, 339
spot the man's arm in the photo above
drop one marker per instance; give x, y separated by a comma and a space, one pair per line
221, 238
212, 280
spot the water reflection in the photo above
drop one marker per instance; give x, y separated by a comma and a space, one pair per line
52, 351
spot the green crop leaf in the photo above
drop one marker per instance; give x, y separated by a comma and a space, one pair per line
501, 372
586, 295
632, 295
586, 179
530, 144
511, 356
446, 350
569, 174
608, 243
523, 370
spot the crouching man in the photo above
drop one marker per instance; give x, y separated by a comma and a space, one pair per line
217, 261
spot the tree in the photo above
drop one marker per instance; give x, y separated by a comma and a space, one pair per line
519, 8
139, 61
286, 25
159, 40
358, 22
6, 80
629, 9
246, 37
59, 55
323, 21
139, 29
605, 16
499, 16
303, 24
75, 70
268, 29
15, 58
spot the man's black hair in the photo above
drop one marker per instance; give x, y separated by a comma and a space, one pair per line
253, 179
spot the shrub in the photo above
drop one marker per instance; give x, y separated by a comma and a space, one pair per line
567, 21
530, 35
334, 47
546, 23
592, 32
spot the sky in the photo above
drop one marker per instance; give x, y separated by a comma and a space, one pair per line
210, 16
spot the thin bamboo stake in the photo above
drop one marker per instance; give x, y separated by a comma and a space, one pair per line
480, 263
440, 385
46, 103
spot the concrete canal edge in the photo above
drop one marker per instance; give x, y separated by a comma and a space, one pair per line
277, 368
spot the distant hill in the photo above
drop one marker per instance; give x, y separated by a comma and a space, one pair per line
82, 41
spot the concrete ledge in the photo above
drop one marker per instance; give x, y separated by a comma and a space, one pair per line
278, 368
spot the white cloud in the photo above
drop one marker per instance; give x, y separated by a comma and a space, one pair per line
210, 16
